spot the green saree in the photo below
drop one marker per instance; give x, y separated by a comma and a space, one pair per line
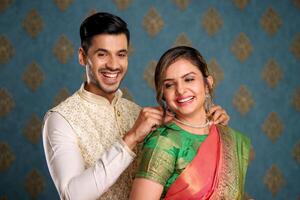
169, 150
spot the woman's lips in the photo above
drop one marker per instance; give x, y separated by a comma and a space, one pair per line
183, 101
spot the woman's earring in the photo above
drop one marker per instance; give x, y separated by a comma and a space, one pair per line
208, 102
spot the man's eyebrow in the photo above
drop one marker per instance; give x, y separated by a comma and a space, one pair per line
123, 51
106, 51
100, 49
171, 79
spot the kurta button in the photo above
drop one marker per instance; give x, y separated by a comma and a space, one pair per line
118, 113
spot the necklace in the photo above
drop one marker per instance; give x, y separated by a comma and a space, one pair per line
191, 125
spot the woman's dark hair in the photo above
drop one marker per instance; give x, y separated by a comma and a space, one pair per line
101, 23
170, 57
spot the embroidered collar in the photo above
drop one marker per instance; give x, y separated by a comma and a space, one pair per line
93, 98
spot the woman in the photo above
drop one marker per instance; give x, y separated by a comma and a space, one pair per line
189, 158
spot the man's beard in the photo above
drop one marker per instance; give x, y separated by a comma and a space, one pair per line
105, 90
98, 83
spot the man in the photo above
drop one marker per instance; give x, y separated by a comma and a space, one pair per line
89, 138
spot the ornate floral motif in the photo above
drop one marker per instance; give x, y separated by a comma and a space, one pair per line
33, 76
270, 21
153, 22
32, 129
33, 23
274, 180
272, 126
122, 4
4, 4
3, 198
295, 47
297, 3
6, 102
149, 74
63, 4
243, 100
130, 49
91, 12
127, 94
61, 96
63, 49
6, 156
182, 4
34, 183
241, 4
242, 47
272, 73
6, 50
296, 152
216, 71
183, 39
296, 99
212, 22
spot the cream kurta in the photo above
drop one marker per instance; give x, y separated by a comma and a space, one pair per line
83, 146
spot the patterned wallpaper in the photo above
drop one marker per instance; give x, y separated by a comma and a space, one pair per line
252, 47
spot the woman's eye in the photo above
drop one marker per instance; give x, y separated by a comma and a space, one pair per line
189, 79
168, 85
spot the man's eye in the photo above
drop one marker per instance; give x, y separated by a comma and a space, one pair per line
101, 54
122, 55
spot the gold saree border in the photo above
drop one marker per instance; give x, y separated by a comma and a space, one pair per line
228, 185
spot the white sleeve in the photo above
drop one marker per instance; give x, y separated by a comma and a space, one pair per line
66, 164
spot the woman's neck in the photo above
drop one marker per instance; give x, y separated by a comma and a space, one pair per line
196, 124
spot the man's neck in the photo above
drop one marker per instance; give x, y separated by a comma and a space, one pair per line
97, 91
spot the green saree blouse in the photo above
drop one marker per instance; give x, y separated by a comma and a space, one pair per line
168, 150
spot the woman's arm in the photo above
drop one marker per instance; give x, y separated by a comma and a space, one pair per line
144, 189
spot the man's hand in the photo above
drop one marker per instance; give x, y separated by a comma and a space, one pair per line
218, 115
148, 120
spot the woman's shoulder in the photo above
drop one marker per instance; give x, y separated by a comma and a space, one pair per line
237, 135
164, 135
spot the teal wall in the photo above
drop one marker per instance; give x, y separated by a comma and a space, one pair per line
259, 86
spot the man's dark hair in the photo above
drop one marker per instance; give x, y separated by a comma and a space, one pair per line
101, 23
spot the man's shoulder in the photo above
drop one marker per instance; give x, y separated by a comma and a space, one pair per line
70, 99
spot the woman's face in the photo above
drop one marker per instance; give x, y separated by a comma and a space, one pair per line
184, 89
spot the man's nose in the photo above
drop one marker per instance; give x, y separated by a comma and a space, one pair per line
112, 63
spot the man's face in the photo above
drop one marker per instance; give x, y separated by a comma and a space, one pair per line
106, 63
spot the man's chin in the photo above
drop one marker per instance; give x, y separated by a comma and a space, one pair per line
109, 90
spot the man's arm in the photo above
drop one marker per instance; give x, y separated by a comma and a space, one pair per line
66, 164
218, 115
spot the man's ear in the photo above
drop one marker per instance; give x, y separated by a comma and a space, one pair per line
81, 57
210, 82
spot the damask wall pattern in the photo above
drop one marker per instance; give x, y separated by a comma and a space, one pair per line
252, 48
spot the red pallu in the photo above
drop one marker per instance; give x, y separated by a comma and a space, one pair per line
200, 178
